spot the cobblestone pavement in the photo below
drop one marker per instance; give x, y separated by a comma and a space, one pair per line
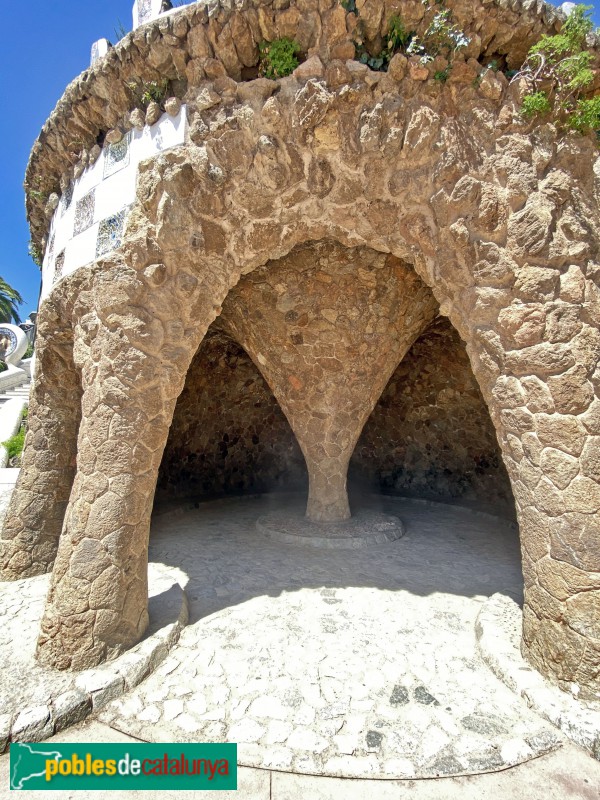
346, 663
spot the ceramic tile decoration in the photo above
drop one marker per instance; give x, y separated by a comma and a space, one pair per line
51, 247
59, 265
66, 199
102, 190
99, 49
144, 10
84, 212
116, 156
110, 232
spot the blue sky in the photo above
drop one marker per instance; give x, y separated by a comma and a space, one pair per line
48, 44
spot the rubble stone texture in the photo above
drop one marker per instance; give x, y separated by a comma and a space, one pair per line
497, 215
327, 325
409, 444
229, 435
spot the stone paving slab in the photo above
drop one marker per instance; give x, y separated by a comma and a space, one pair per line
498, 631
567, 774
36, 701
346, 663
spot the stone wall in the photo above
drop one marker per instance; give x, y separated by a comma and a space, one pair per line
430, 435
229, 435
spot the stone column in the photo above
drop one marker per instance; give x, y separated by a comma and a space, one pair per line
135, 332
327, 492
549, 413
327, 326
97, 604
35, 515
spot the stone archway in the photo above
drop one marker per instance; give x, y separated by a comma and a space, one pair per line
327, 326
229, 435
497, 216
430, 435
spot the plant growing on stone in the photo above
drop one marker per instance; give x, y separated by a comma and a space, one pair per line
278, 58
536, 104
148, 92
396, 40
441, 37
558, 71
34, 253
120, 31
442, 75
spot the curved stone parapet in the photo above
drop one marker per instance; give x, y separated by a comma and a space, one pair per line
180, 45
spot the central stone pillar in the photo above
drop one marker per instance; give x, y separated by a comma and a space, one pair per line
327, 492
327, 326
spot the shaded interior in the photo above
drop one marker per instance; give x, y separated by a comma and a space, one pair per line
430, 434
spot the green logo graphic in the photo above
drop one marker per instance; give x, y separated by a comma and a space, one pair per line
123, 766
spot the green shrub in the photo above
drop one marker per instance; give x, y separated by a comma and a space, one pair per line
14, 445
29, 352
586, 116
559, 72
3, 366
278, 58
442, 75
441, 37
148, 92
34, 253
396, 40
535, 104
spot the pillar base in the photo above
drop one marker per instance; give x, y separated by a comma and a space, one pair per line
365, 529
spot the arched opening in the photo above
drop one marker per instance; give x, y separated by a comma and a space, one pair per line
327, 646
229, 435
311, 324
430, 435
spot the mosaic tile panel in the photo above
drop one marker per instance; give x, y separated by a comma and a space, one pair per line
8, 342
110, 232
144, 10
116, 156
59, 266
84, 212
51, 247
66, 199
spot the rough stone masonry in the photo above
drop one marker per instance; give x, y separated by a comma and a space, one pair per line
444, 193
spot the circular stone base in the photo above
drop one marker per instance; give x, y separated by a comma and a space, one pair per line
364, 529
